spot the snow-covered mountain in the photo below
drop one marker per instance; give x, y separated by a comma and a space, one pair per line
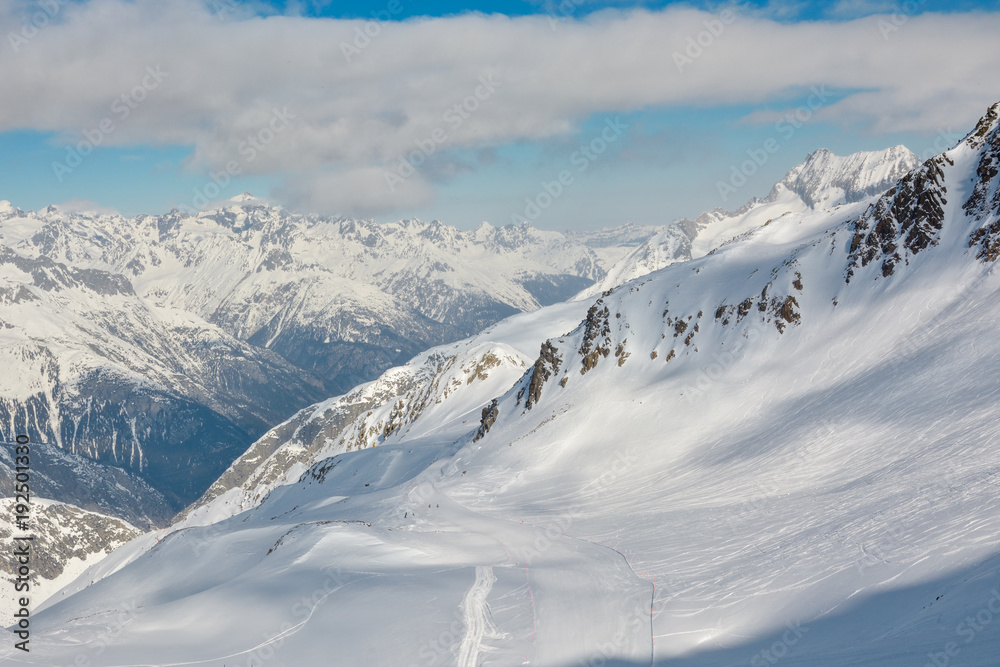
318, 291
824, 181
151, 352
819, 187
165, 345
780, 452
95, 369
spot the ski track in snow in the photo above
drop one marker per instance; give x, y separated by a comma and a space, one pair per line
476, 616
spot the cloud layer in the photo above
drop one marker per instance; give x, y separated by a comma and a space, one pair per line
339, 107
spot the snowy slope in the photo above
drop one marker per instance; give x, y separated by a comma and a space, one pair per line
780, 452
435, 387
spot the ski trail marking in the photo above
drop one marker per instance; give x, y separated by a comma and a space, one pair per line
475, 614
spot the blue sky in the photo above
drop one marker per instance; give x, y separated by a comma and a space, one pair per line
576, 115
789, 10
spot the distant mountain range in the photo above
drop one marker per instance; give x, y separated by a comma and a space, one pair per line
165, 345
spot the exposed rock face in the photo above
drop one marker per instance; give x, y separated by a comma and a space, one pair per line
984, 202
92, 368
95, 487
596, 341
904, 221
489, 417
546, 366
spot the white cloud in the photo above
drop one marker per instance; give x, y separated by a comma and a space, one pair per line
223, 81
360, 192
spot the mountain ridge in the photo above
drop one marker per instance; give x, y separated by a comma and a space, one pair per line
823, 181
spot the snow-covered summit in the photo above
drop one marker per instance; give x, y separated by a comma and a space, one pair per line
821, 183
826, 179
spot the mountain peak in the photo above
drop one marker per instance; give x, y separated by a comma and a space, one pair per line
987, 125
827, 178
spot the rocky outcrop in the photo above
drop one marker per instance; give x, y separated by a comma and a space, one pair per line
545, 367
489, 417
596, 342
904, 221
983, 204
